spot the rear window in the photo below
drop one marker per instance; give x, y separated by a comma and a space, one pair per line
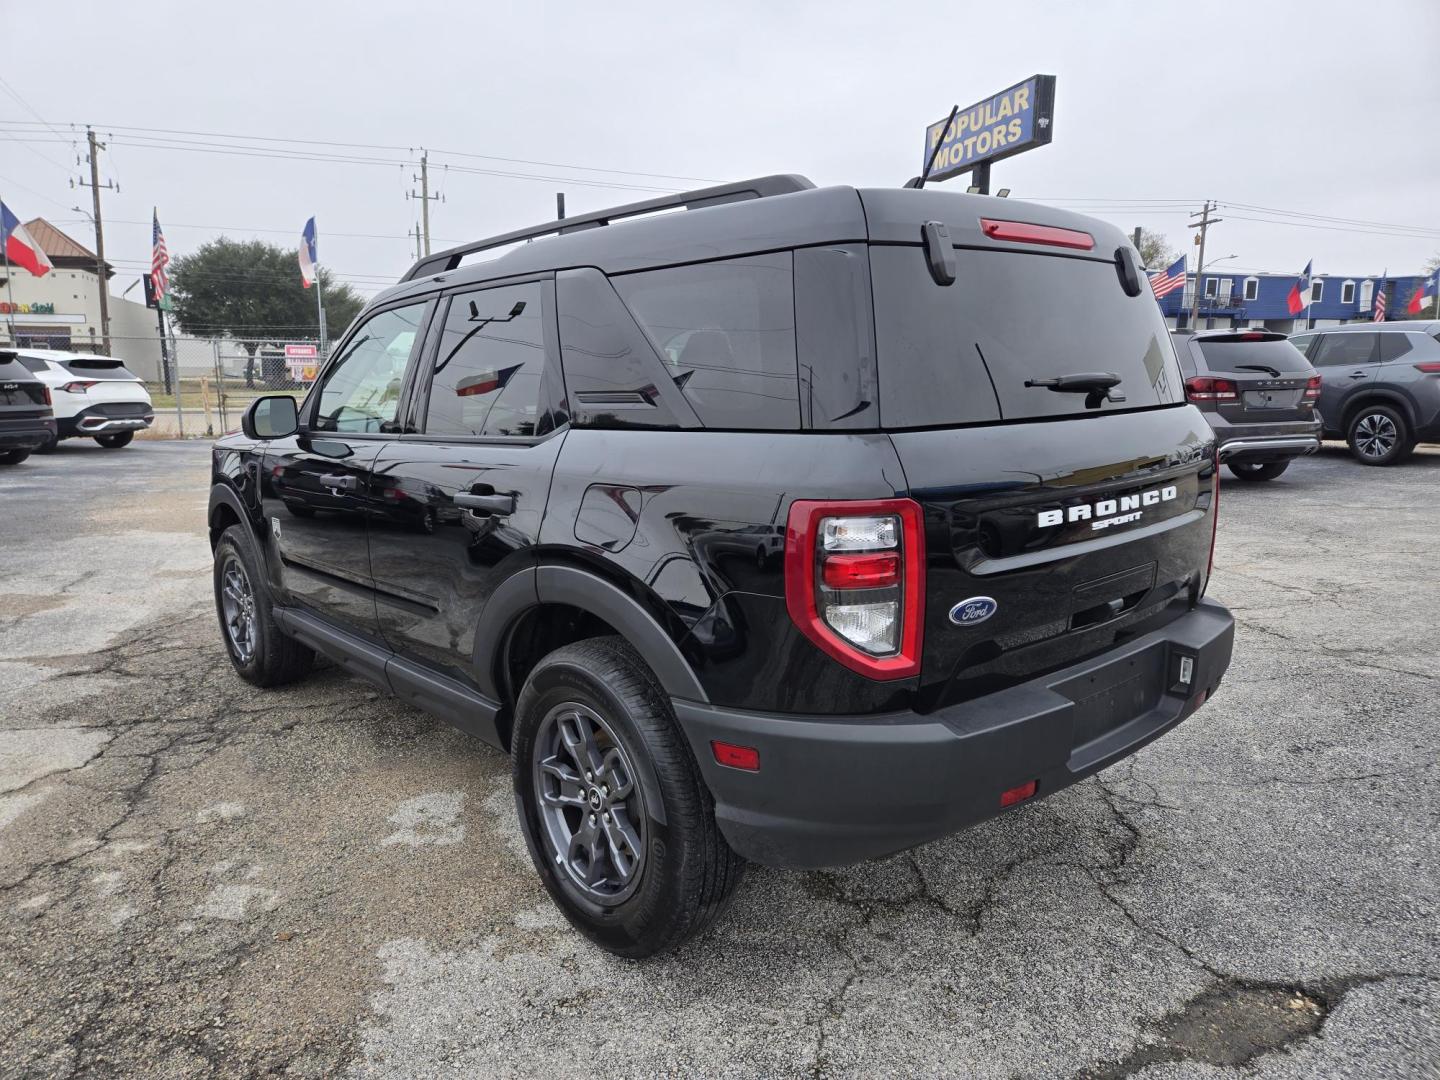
97, 367
1277, 355
726, 333
963, 352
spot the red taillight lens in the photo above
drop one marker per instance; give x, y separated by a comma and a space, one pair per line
1312, 388
1430, 367
46, 391
875, 571
1214, 519
855, 582
1024, 232
735, 757
1020, 793
78, 386
1204, 388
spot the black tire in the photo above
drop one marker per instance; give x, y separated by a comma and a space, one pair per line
1255, 470
49, 446
115, 441
261, 653
1379, 435
13, 457
685, 872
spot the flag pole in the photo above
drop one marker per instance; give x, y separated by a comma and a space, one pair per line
319, 293
9, 289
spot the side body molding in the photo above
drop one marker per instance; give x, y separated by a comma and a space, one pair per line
567, 585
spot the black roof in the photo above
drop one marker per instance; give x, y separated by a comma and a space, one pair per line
766, 214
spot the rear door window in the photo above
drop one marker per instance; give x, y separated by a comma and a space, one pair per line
1338, 350
726, 334
1277, 355
964, 352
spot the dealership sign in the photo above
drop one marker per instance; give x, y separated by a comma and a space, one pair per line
302, 360
26, 309
1012, 121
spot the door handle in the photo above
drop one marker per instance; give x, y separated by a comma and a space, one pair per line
499, 505
340, 481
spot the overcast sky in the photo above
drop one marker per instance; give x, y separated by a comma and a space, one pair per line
1317, 108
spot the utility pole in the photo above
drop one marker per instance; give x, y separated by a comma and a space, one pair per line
1203, 224
94, 185
425, 198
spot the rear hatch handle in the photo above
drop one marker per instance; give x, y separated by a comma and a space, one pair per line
1097, 386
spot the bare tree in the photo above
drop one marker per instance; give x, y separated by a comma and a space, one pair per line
1155, 250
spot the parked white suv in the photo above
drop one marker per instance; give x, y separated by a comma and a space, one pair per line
95, 397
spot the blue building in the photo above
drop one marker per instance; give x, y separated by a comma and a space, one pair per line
1232, 300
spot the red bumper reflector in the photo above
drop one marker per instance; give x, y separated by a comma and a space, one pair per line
736, 757
1019, 794
1024, 232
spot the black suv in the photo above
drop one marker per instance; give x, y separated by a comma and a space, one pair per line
27, 418
802, 526
1381, 386
1258, 392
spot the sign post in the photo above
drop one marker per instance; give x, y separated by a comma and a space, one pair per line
970, 140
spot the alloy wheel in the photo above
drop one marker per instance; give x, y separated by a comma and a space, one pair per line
1376, 435
591, 807
237, 607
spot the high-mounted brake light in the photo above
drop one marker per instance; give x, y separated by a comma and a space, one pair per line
1430, 367
1312, 387
1023, 232
1204, 388
855, 582
79, 386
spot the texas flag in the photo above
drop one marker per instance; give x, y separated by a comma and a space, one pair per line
19, 248
1300, 292
1428, 287
308, 257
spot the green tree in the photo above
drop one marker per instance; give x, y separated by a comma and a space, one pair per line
251, 290
1155, 251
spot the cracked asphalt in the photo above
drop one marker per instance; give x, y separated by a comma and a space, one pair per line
197, 878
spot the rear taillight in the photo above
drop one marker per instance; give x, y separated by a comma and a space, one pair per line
855, 582
78, 386
1204, 388
1214, 518
1024, 232
1430, 367
1312, 388
46, 391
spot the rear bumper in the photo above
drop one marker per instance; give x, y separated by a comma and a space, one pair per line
1261, 442
107, 418
27, 433
835, 790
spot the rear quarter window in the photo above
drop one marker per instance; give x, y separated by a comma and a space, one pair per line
963, 353
725, 332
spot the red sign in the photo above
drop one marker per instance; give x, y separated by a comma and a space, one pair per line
301, 352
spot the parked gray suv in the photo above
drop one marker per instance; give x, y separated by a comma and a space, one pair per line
1380, 386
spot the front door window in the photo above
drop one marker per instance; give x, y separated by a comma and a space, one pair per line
361, 392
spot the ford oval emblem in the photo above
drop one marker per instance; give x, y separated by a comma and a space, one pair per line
973, 611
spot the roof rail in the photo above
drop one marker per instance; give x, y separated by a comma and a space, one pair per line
759, 188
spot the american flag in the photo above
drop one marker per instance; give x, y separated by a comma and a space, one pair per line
1380, 302
1170, 279
159, 260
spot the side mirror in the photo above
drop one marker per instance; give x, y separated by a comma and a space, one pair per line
271, 417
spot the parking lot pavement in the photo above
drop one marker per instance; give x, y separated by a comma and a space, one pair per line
198, 878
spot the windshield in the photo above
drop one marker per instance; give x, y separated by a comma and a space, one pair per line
964, 352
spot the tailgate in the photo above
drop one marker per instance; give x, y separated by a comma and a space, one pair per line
1050, 542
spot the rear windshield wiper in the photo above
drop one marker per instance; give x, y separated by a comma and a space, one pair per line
1097, 386
1273, 372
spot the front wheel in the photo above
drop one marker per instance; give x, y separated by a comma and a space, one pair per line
260, 652
1255, 470
13, 457
1379, 435
619, 823
115, 441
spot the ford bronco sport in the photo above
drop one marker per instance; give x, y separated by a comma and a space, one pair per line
802, 526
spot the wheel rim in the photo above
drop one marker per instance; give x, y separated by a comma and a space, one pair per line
591, 808
237, 609
1376, 435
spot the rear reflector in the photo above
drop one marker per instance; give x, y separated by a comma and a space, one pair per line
736, 757
1025, 233
873, 570
1019, 794
1430, 367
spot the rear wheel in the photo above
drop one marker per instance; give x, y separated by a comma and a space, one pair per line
115, 441
260, 652
1256, 470
1379, 435
616, 816
13, 457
